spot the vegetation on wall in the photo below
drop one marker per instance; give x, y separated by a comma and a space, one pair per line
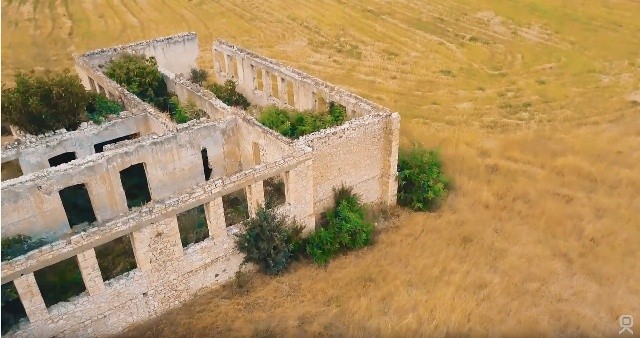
100, 107
421, 181
182, 113
228, 94
346, 228
198, 75
19, 245
294, 124
270, 241
47, 101
139, 74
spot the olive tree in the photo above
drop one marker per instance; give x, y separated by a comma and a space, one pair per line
42, 102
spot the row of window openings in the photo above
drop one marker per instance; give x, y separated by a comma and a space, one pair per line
11, 169
63, 280
79, 210
77, 203
276, 84
258, 83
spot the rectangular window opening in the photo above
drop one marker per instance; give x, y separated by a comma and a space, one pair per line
62, 159
77, 205
192, 225
92, 84
275, 92
11, 169
235, 207
291, 98
99, 147
205, 164
12, 309
115, 257
60, 282
259, 81
135, 185
321, 104
274, 192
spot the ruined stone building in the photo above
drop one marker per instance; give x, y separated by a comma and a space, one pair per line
185, 166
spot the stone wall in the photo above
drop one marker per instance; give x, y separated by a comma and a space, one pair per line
33, 152
242, 153
31, 204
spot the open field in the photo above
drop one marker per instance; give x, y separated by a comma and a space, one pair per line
528, 103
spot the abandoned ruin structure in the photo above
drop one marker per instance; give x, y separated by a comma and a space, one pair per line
236, 152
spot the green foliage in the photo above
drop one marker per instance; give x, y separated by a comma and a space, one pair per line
421, 182
12, 309
60, 281
193, 226
99, 107
346, 228
270, 241
183, 113
294, 124
198, 75
45, 102
227, 93
19, 245
140, 76
115, 257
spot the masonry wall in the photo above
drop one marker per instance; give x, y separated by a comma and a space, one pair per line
33, 152
31, 204
166, 275
356, 154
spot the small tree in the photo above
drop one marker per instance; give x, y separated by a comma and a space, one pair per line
270, 241
227, 93
198, 75
140, 76
45, 102
421, 182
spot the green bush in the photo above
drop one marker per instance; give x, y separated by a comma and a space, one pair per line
227, 93
270, 241
184, 113
39, 103
421, 182
140, 76
19, 245
198, 75
346, 228
294, 124
99, 107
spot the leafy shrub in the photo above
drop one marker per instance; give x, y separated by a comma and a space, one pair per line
346, 228
184, 113
294, 124
45, 102
227, 93
421, 182
19, 245
99, 107
140, 76
270, 241
198, 75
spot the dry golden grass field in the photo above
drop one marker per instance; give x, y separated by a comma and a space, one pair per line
530, 103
